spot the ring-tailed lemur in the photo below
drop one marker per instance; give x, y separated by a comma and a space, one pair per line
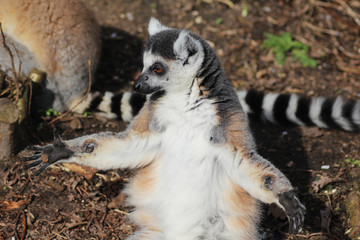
199, 176
57, 37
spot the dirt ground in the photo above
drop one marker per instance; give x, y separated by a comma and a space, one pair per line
61, 204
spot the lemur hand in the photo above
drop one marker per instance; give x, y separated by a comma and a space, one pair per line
294, 210
47, 155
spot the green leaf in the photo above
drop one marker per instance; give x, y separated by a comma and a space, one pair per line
282, 44
280, 57
305, 60
219, 21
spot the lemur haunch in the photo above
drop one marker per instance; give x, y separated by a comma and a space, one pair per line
199, 176
56, 37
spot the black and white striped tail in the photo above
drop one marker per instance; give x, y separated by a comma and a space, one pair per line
123, 106
292, 109
280, 109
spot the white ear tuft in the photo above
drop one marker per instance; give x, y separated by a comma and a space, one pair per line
186, 46
155, 26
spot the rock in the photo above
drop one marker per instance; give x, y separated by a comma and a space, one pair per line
9, 116
353, 209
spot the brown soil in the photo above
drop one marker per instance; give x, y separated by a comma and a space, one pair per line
65, 205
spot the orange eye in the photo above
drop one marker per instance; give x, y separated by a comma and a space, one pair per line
158, 70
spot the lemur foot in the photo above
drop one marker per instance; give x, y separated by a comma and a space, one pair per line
46, 155
294, 210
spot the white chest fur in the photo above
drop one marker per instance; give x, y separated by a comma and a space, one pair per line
184, 181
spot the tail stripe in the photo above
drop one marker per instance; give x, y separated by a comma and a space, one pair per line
356, 114
137, 101
292, 110
303, 111
97, 98
267, 106
244, 105
347, 111
326, 113
126, 107
254, 101
280, 108
339, 117
315, 111
115, 105
105, 106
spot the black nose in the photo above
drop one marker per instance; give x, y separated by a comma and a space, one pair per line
137, 85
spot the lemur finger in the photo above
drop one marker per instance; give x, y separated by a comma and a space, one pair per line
296, 222
33, 164
291, 225
43, 167
56, 134
35, 148
30, 158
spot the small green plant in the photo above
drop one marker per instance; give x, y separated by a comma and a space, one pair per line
282, 44
154, 6
353, 162
51, 112
219, 21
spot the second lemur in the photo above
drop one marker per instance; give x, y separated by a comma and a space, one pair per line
200, 176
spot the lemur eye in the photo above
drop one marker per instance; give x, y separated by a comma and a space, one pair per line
158, 70
90, 147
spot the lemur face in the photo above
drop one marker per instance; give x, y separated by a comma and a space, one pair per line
155, 75
172, 58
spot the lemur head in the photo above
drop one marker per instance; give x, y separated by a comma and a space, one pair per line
172, 58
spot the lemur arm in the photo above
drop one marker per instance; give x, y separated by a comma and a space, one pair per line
258, 176
265, 182
133, 148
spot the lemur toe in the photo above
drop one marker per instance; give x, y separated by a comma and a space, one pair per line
296, 222
30, 158
294, 210
33, 164
35, 148
41, 169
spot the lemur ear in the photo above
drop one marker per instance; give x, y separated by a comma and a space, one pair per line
155, 26
187, 48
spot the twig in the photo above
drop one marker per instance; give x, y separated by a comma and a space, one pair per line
82, 99
25, 226
349, 11
25, 185
309, 43
58, 234
120, 211
103, 218
74, 225
9, 51
319, 29
345, 68
335, 42
338, 45
24, 223
16, 222
30, 97
228, 3
16, 82
308, 236
324, 4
